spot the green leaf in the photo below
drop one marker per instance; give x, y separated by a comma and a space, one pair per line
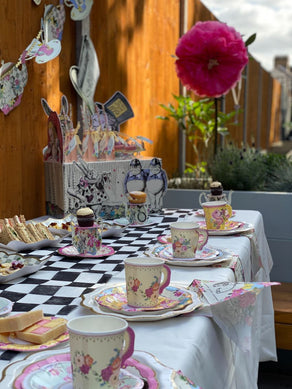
250, 40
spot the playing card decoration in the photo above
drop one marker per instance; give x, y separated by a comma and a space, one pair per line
84, 77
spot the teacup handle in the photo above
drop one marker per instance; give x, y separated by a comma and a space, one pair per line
202, 238
128, 348
229, 210
166, 278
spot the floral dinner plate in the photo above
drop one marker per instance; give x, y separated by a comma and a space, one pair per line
166, 252
174, 290
71, 251
55, 372
233, 228
115, 299
206, 257
142, 365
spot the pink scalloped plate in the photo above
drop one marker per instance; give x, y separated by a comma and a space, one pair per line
39, 374
117, 302
71, 251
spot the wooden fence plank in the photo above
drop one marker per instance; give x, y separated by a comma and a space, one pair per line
135, 41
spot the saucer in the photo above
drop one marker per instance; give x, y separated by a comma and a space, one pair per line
188, 302
123, 221
115, 299
39, 375
71, 251
166, 252
232, 228
229, 226
204, 254
206, 257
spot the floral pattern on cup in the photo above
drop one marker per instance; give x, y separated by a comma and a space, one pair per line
85, 363
99, 346
217, 214
143, 280
186, 239
151, 293
180, 245
219, 217
87, 240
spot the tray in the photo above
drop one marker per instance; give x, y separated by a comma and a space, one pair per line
31, 265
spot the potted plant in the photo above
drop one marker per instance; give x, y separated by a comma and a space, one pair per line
197, 120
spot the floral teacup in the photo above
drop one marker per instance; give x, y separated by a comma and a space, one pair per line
99, 346
217, 214
87, 240
143, 280
186, 239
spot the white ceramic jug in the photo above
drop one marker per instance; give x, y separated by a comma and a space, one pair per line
207, 196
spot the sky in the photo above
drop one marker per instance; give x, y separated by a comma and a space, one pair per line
271, 20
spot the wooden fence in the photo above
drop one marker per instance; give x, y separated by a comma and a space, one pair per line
135, 41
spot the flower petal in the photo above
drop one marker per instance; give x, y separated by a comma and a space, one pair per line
211, 57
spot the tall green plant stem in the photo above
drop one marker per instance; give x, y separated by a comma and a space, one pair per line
215, 126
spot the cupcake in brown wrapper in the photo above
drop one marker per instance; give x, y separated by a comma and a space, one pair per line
85, 217
216, 188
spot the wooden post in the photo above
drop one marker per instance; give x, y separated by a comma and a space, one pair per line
182, 91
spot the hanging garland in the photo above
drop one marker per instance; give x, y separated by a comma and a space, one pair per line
44, 47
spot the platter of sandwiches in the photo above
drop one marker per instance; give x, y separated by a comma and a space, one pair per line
18, 235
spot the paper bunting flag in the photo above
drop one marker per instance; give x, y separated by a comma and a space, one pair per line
80, 8
232, 306
53, 24
13, 78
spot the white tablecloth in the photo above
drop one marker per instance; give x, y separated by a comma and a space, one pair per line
195, 344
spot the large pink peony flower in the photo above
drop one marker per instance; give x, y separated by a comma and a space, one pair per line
211, 57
